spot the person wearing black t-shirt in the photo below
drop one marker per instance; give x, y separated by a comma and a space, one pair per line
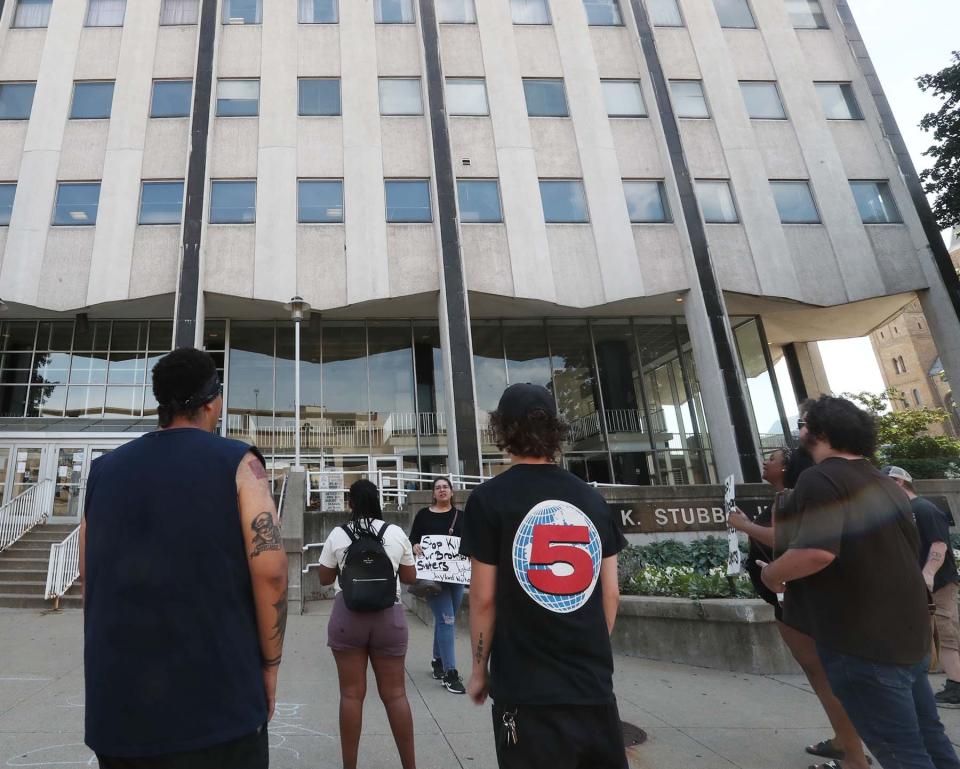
940, 573
442, 518
850, 559
543, 598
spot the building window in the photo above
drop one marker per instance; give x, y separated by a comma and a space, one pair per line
320, 201
242, 12
545, 98
7, 193
393, 11
319, 96
456, 12
479, 201
77, 204
688, 99
838, 101
623, 98
400, 96
32, 13
171, 98
806, 14
318, 12
916, 397
91, 101
734, 14
233, 202
896, 366
903, 366
716, 202
408, 200
161, 203
238, 98
106, 13
466, 96
179, 12
875, 202
603, 13
763, 101
564, 201
646, 202
16, 100
795, 203
530, 11
664, 13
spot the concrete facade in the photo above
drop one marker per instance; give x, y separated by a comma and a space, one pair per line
836, 278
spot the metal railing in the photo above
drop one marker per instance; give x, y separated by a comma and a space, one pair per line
64, 567
24, 512
393, 485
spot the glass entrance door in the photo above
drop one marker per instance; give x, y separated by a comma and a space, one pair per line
28, 462
70, 476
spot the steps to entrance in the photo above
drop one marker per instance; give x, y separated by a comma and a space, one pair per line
23, 570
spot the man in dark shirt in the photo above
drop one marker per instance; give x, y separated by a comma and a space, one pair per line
543, 598
185, 588
940, 573
851, 580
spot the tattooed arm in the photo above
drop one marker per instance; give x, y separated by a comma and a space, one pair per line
935, 561
483, 618
268, 566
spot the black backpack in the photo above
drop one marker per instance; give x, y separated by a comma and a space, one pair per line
368, 579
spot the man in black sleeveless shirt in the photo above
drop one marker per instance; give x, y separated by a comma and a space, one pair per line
185, 588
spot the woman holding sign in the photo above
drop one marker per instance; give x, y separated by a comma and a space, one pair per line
442, 518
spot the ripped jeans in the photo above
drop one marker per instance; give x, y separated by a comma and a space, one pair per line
444, 607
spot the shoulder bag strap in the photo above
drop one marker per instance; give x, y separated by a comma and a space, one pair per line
453, 525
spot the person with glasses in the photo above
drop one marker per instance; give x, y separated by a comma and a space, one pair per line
847, 562
782, 469
181, 559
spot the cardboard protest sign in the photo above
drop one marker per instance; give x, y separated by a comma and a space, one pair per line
734, 565
441, 560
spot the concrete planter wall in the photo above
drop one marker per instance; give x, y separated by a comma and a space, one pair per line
733, 634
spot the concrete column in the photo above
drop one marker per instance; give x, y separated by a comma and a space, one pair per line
812, 370
943, 323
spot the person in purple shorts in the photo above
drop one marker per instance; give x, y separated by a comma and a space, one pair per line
380, 636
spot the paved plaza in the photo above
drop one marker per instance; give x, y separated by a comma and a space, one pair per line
695, 718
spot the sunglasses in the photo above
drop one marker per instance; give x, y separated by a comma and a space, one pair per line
801, 423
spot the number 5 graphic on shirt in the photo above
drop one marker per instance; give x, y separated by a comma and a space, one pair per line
557, 544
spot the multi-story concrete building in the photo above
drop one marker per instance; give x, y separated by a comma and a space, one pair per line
641, 204
910, 363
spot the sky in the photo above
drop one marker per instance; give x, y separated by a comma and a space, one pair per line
905, 40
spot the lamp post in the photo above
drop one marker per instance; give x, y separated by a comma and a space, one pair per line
298, 310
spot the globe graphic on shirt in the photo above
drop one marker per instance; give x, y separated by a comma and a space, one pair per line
561, 526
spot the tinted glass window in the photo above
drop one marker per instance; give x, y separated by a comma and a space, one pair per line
91, 100
171, 98
456, 12
408, 200
646, 201
688, 99
106, 13
32, 13
242, 12
400, 96
664, 13
716, 202
876, 203
806, 14
7, 194
318, 12
161, 203
734, 13
530, 11
838, 101
466, 97
795, 203
564, 201
479, 200
320, 201
180, 12
393, 11
623, 98
763, 101
238, 98
16, 100
77, 204
545, 98
319, 96
233, 202
603, 13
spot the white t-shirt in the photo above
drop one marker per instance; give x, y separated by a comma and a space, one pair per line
395, 543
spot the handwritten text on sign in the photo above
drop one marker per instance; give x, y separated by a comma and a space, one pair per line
441, 560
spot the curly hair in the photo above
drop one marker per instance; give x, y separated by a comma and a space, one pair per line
798, 460
844, 426
176, 377
537, 434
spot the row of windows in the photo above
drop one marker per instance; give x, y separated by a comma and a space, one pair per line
545, 97
564, 201
804, 14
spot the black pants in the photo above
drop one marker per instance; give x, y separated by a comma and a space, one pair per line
560, 737
249, 752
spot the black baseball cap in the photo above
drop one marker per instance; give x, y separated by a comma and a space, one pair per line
518, 400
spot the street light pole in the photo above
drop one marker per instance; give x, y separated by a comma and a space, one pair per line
298, 311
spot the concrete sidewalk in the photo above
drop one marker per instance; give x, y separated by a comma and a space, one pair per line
695, 718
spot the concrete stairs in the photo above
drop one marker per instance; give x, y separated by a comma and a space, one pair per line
23, 570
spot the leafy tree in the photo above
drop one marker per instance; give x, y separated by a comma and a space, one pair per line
943, 179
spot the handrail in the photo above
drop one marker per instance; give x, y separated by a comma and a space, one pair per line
283, 491
23, 512
64, 567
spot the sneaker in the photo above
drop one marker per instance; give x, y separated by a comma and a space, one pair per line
453, 683
437, 666
950, 696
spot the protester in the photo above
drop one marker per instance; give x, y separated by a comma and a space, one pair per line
781, 470
185, 588
444, 519
940, 573
380, 636
850, 559
542, 542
